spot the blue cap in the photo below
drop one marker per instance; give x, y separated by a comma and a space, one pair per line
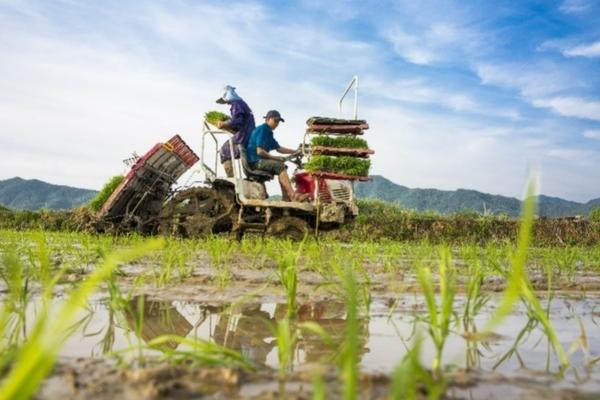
274, 114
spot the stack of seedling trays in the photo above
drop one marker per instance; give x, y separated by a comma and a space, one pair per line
337, 149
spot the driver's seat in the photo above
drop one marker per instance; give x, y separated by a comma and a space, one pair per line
255, 175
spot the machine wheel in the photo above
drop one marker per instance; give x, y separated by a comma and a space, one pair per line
197, 212
288, 227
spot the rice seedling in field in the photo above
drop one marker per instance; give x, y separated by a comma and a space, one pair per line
439, 316
518, 285
221, 251
391, 256
286, 337
318, 387
521, 337
198, 353
254, 249
173, 259
287, 271
349, 353
35, 358
565, 260
409, 375
475, 298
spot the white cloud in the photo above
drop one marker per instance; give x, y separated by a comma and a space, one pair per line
531, 80
434, 32
540, 85
584, 158
584, 50
592, 134
420, 91
436, 42
571, 107
574, 6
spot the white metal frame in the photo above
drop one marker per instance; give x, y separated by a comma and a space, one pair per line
353, 82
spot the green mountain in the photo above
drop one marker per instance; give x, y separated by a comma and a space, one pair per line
462, 200
32, 194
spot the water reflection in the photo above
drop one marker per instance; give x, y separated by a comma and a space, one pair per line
156, 318
385, 335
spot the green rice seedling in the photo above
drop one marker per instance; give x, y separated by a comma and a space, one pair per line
439, 316
340, 164
139, 326
255, 250
287, 271
17, 278
349, 353
409, 375
348, 142
493, 256
221, 251
518, 285
521, 337
109, 187
315, 257
391, 256
214, 117
566, 261
475, 298
285, 337
198, 352
319, 392
173, 257
40, 259
36, 357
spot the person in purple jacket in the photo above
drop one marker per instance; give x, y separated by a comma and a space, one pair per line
241, 123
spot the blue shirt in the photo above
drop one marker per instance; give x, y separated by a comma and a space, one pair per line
242, 121
261, 137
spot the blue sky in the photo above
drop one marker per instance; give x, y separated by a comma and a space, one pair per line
458, 94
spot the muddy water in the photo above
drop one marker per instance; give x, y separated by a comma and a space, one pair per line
517, 356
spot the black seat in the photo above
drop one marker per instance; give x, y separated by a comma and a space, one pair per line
255, 175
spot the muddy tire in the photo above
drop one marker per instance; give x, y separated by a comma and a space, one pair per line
288, 227
197, 212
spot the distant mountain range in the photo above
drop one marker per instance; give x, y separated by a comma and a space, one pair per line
33, 194
451, 201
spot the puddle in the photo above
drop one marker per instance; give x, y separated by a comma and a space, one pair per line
520, 350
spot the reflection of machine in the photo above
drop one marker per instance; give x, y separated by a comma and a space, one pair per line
159, 318
250, 330
227, 204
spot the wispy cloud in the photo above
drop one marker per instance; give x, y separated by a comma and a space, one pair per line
574, 6
571, 107
540, 86
592, 134
584, 50
431, 32
420, 91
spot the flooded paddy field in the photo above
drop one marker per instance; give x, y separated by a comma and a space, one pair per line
215, 318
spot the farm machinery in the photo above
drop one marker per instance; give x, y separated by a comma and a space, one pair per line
147, 202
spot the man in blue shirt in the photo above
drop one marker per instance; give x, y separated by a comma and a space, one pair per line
241, 122
260, 144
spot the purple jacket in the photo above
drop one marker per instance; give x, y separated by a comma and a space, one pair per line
242, 121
